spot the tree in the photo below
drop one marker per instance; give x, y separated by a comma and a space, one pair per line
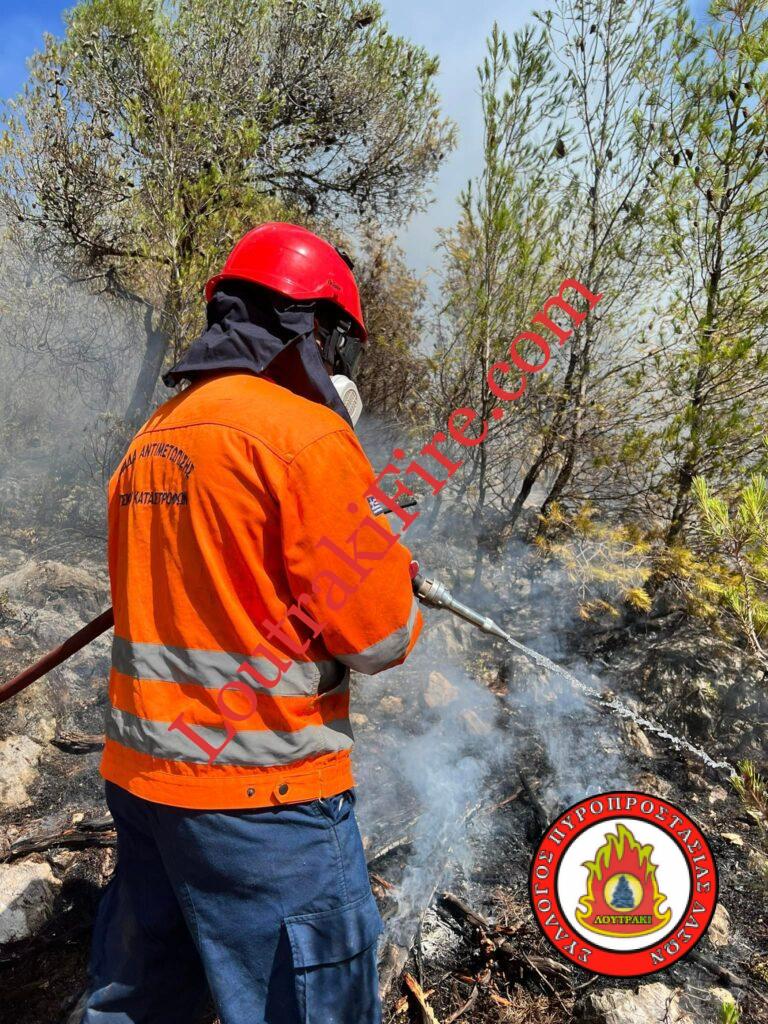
712, 374
498, 259
602, 46
154, 134
393, 372
739, 536
622, 897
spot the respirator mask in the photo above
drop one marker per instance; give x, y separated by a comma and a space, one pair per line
341, 350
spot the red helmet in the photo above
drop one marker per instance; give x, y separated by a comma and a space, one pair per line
295, 262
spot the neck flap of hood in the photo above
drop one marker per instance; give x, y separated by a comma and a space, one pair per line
260, 333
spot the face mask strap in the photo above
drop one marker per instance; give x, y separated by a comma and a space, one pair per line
334, 344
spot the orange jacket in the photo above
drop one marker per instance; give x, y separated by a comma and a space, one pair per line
248, 576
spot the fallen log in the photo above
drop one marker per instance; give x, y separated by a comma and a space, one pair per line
77, 744
93, 832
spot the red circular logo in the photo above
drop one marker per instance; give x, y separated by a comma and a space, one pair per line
623, 884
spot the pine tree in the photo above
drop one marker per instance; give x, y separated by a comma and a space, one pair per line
498, 260
712, 368
622, 897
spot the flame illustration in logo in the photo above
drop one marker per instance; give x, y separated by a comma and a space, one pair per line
622, 897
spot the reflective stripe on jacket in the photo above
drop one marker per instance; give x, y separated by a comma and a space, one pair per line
248, 576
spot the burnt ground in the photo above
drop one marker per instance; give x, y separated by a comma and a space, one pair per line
442, 806
453, 960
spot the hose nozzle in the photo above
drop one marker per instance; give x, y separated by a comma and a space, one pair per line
436, 595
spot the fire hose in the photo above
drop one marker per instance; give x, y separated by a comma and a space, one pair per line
59, 654
429, 592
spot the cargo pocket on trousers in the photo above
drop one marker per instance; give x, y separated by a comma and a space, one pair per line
334, 961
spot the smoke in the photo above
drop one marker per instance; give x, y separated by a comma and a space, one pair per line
428, 765
425, 770
68, 359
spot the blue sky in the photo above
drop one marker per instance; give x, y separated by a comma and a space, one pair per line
454, 29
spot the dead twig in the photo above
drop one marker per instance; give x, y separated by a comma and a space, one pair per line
395, 955
427, 1013
463, 1009
391, 847
463, 913
723, 974
502, 803
381, 881
545, 981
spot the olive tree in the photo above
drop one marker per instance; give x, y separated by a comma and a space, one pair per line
154, 133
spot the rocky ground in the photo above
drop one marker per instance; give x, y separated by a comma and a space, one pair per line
448, 820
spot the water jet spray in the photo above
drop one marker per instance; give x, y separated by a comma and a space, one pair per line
433, 594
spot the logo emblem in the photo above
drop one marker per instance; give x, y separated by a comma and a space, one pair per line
623, 884
622, 896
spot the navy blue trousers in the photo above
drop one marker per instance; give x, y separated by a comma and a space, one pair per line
270, 912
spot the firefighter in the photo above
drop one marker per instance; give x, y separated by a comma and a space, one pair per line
248, 577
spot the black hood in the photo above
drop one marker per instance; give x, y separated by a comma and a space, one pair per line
259, 332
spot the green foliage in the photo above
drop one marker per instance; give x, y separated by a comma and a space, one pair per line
393, 373
752, 789
499, 260
609, 564
709, 382
739, 536
729, 1012
154, 134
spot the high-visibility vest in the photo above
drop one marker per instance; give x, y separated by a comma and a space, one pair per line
248, 576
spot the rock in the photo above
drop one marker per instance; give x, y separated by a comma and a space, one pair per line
474, 723
716, 794
720, 927
732, 837
637, 738
444, 637
647, 782
439, 691
57, 587
358, 720
19, 756
61, 859
392, 705
654, 1003
757, 863
27, 893
699, 703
